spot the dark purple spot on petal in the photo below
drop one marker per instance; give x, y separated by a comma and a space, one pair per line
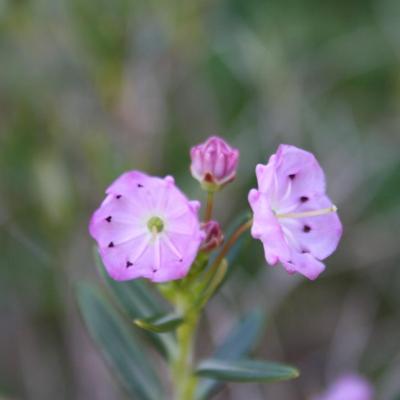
154, 270
181, 260
306, 228
290, 262
304, 199
111, 244
292, 176
128, 264
118, 196
305, 251
108, 219
139, 185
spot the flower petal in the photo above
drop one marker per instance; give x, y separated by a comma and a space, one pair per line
299, 169
318, 235
304, 264
266, 228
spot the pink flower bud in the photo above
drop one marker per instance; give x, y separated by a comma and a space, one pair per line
214, 163
213, 236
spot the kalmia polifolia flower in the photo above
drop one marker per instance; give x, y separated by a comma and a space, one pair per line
295, 220
348, 387
146, 227
213, 236
214, 163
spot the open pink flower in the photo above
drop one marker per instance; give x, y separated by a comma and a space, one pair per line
295, 220
214, 163
348, 387
146, 227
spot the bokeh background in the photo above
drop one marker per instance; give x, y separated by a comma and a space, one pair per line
89, 89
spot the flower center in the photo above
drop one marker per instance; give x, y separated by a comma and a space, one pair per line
314, 213
155, 225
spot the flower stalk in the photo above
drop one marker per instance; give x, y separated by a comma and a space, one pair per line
182, 364
209, 206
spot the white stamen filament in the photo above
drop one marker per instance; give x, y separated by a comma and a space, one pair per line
314, 213
171, 246
154, 233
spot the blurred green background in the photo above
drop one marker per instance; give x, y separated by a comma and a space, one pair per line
91, 88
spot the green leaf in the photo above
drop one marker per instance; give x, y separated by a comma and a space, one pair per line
118, 344
237, 344
138, 300
246, 371
212, 284
161, 323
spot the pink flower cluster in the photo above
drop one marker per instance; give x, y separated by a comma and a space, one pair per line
146, 227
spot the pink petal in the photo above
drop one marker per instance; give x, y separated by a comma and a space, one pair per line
301, 170
304, 264
319, 235
129, 260
266, 228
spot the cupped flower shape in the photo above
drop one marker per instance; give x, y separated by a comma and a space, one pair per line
348, 387
214, 163
295, 220
146, 228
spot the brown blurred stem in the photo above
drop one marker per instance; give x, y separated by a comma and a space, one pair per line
229, 243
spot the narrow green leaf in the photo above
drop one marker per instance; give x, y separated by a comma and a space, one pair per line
139, 301
212, 284
160, 324
237, 344
118, 344
246, 371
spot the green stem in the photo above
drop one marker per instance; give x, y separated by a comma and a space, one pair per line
182, 363
209, 207
182, 368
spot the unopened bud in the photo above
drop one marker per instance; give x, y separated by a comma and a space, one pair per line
213, 236
214, 163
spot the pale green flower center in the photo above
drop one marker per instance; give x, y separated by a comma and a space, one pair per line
155, 224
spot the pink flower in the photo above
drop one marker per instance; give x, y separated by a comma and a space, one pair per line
213, 236
295, 220
348, 387
146, 227
214, 163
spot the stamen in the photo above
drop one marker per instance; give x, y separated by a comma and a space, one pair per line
154, 232
157, 254
314, 213
172, 247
